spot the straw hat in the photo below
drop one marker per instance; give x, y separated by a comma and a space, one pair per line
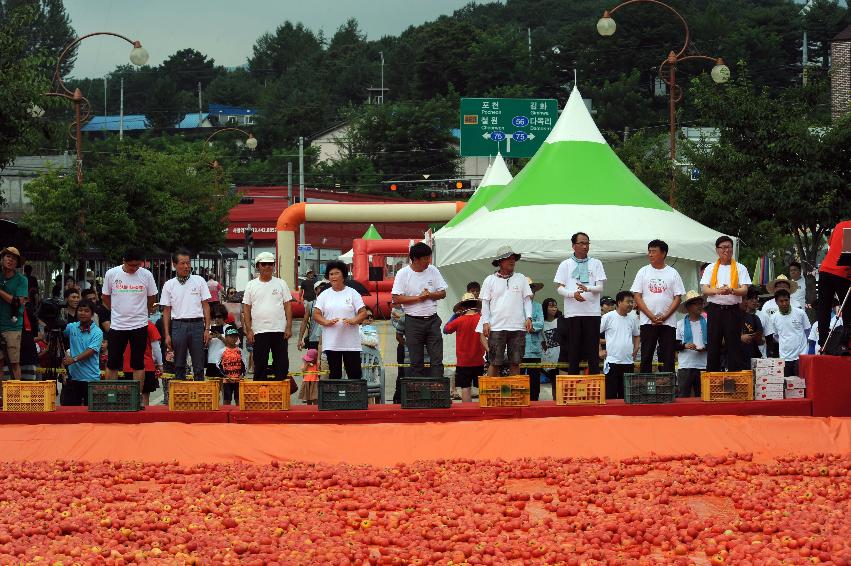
793, 285
504, 252
534, 285
468, 301
13, 251
690, 297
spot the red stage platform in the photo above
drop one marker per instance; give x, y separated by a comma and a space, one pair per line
303, 414
828, 384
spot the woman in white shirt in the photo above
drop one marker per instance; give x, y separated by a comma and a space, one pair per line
340, 311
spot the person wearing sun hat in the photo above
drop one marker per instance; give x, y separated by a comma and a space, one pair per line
506, 312
691, 337
309, 392
469, 350
14, 290
779, 282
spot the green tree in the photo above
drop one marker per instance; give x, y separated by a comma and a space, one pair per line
139, 197
822, 20
236, 88
166, 105
290, 46
188, 67
46, 33
771, 175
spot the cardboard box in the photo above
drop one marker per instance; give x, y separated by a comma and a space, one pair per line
794, 393
769, 387
769, 372
769, 395
794, 382
767, 363
768, 380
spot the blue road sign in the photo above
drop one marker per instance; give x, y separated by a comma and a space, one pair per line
520, 121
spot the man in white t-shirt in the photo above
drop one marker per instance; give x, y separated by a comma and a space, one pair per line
619, 328
799, 296
186, 316
267, 319
129, 291
417, 288
724, 283
657, 288
580, 280
506, 312
789, 326
691, 343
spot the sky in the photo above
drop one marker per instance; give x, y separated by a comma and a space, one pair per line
226, 30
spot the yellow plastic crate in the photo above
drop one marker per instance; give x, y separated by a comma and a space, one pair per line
581, 389
193, 395
726, 385
29, 396
510, 391
264, 395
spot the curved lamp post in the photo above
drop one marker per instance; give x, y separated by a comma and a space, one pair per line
606, 26
250, 143
138, 56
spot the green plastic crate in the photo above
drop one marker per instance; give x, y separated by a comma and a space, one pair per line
425, 393
648, 388
119, 396
343, 395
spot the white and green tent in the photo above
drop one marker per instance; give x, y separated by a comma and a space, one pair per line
575, 182
496, 178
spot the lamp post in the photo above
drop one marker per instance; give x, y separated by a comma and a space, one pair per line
138, 56
720, 73
250, 143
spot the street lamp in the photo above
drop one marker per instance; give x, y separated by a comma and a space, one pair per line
250, 143
606, 26
138, 56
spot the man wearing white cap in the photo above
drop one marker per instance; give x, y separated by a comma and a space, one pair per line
267, 319
580, 280
506, 312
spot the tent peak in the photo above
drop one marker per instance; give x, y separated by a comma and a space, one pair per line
497, 173
575, 123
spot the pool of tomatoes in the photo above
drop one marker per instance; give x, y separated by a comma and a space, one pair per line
683, 509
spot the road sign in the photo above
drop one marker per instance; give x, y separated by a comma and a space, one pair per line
304, 248
515, 126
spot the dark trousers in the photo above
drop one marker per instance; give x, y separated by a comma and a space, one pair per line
421, 335
688, 382
534, 378
828, 286
187, 336
791, 369
551, 374
400, 359
584, 343
664, 336
230, 391
275, 343
724, 325
614, 380
338, 359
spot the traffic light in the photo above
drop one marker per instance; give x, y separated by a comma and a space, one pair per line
249, 236
246, 200
460, 184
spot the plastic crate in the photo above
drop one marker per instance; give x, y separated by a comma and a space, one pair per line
264, 395
581, 389
343, 395
641, 388
511, 391
726, 386
116, 396
193, 395
424, 393
29, 396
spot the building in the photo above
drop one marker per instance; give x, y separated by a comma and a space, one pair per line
20, 172
840, 74
328, 142
233, 116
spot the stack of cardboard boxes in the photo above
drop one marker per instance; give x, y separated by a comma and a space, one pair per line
769, 383
795, 388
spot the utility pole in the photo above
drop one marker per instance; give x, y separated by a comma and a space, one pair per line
300, 188
104, 102
382, 76
199, 104
289, 183
529, 42
121, 115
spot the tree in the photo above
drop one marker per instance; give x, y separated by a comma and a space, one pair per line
771, 175
140, 197
166, 104
188, 67
47, 33
290, 46
236, 88
823, 19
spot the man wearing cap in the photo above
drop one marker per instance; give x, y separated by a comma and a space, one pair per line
724, 284
186, 316
506, 312
267, 319
469, 350
770, 307
13, 294
580, 280
657, 289
417, 288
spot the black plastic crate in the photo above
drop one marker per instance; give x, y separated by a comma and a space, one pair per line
425, 393
114, 396
343, 395
643, 388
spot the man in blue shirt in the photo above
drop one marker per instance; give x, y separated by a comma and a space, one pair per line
83, 364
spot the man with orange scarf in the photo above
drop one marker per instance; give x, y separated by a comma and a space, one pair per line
724, 284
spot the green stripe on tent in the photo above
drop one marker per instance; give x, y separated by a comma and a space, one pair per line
575, 172
479, 198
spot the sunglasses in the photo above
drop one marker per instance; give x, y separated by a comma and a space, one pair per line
266, 264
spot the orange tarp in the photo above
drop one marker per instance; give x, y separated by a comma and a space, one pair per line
388, 444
